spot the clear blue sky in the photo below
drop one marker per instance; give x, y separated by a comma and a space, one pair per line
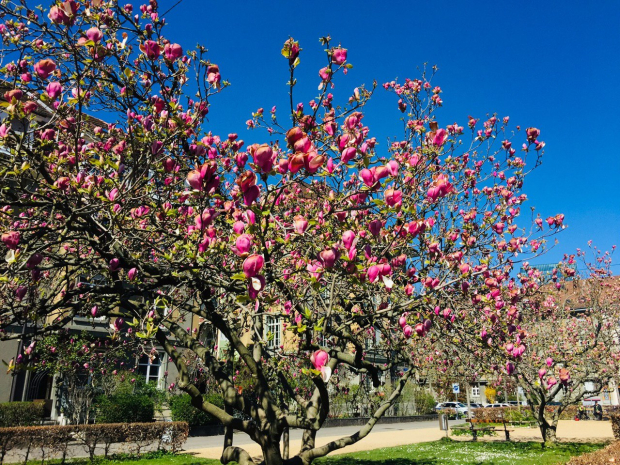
552, 65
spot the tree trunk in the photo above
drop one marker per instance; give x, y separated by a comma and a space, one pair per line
307, 441
272, 455
548, 432
285, 443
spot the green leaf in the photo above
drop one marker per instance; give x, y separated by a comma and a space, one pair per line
239, 276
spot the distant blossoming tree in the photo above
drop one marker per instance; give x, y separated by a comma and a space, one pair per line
322, 228
572, 333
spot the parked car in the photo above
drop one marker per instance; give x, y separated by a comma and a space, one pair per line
515, 403
474, 405
498, 405
460, 408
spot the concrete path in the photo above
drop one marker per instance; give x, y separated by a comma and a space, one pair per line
399, 434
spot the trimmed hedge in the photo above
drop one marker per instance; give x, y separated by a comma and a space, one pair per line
181, 409
55, 439
503, 414
609, 454
125, 408
21, 413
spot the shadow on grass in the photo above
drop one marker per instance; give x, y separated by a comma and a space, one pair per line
399, 461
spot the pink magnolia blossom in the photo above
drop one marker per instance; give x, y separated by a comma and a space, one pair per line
440, 137
300, 224
252, 265
367, 177
264, 158
408, 331
319, 360
173, 51
348, 154
375, 227
532, 134
213, 75
348, 239
20, 293
94, 34
393, 198
114, 264
118, 324
243, 244
94, 311
328, 257
339, 55
16, 94
11, 239
44, 68
255, 285
325, 74
250, 195
440, 187
30, 106
151, 49
132, 273
34, 260
392, 168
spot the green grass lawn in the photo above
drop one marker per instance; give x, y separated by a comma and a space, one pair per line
154, 458
448, 452
444, 452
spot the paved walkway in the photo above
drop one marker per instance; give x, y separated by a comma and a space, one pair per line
399, 434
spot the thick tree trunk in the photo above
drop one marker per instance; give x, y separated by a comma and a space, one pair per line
272, 455
548, 432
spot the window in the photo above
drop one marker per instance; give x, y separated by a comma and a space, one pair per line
150, 368
273, 332
475, 391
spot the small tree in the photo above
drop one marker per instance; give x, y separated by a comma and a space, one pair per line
83, 365
490, 394
572, 338
320, 229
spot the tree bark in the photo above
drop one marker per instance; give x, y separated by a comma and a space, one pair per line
272, 455
285, 444
236, 454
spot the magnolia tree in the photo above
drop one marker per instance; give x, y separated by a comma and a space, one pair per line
572, 333
317, 225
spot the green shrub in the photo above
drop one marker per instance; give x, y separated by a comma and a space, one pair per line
21, 413
124, 408
182, 409
426, 403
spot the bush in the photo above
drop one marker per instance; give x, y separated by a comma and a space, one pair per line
182, 409
21, 413
601, 457
56, 438
425, 403
125, 408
